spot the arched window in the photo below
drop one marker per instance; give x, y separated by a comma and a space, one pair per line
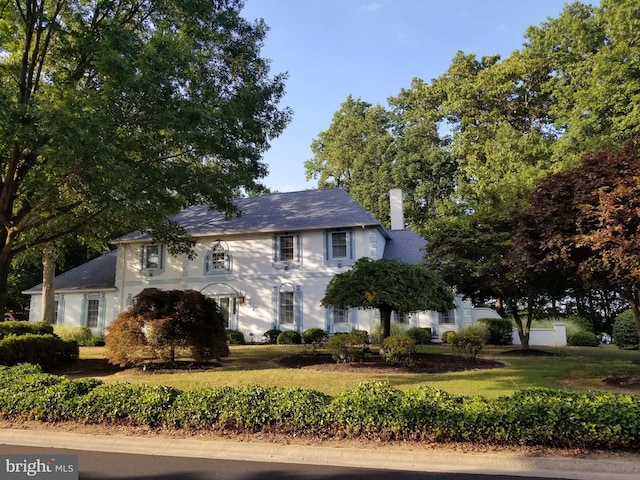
217, 259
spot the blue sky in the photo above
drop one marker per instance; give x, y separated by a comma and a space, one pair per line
372, 49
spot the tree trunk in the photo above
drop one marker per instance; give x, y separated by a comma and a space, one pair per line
48, 291
523, 331
385, 324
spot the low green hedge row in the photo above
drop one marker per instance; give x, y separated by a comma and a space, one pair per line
46, 350
374, 410
21, 328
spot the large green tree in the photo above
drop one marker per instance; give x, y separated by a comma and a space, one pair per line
388, 285
124, 111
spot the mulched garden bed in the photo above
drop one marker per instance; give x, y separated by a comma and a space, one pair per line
423, 363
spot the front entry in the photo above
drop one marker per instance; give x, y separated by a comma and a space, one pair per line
229, 308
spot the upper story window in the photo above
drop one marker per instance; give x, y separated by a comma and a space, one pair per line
152, 260
217, 259
287, 250
339, 245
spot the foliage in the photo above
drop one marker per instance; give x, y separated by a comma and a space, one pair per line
469, 341
315, 336
234, 337
583, 339
581, 322
399, 350
348, 347
271, 336
21, 328
586, 220
290, 337
173, 97
421, 335
80, 335
160, 321
388, 285
625, 334
377, 410
447, 337
376, 332
500, 330
46, 350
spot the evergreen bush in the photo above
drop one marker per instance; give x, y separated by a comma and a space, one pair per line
315, 337
583, 339
234, 337
399, 350
422, 336
500, 330
290, 337
49, 351
271, 336
625, 333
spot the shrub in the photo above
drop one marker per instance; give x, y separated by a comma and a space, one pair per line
235, 337
399, 350
348, 347
271, 336
469, 342
422, 336
500, 330
582, 323
396, 329
290, 337
160, 321
625, 333
447, 336
80, 335
21, 328
46, 350
95, 341
314, 336
583, 339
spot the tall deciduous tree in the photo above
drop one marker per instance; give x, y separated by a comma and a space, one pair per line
126, 111
588, 219
387, 286
356, 153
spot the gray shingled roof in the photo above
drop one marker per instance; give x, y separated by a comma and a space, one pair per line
405, 246
96, 274
276, 212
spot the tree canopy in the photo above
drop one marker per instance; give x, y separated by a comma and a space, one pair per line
587, 219
388, 286
123, 112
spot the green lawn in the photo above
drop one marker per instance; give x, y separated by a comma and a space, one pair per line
572, 368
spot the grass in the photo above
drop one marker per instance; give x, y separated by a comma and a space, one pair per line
573, 368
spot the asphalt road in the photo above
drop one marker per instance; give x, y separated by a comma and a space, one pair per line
159, 457
107, 465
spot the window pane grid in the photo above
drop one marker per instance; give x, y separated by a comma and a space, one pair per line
340, 316
286, 247
286, 307
93, 307
339, 245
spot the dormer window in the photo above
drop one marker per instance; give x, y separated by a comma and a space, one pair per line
152, 260
217, 259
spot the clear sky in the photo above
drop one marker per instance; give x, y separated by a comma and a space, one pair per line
372, 49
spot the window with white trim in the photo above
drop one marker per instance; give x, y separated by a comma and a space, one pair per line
339, 245
446, 318
93, 311
340, 316
152, 260
217, 259
286, 311
287, 250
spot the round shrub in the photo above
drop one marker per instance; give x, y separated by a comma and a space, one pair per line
347, 347
271, 336
234, 337
625, 333
469, 342
314, 336
500, 330
399, 350
422, 336
447, 336
583, 339
290, 337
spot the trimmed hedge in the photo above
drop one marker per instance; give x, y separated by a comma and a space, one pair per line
583, 338
290, 337
235, 337
625, 333
421, 335
46, 350
377, 410
21, 328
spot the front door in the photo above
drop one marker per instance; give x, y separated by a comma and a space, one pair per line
229, 310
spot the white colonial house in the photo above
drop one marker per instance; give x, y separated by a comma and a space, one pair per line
267, 268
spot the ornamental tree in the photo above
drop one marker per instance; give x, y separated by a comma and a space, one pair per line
388, 285
123, 112
161, 321
587, 219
